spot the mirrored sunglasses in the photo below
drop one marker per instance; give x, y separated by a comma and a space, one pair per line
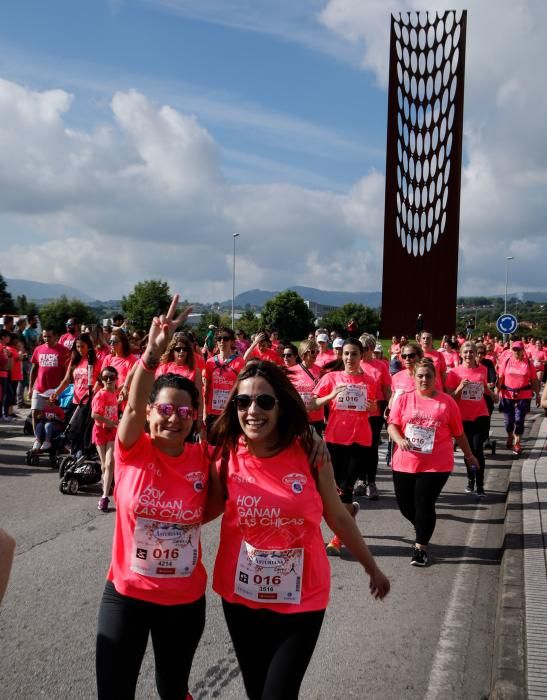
168, 409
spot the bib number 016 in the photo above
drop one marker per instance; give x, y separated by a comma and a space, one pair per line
159, 553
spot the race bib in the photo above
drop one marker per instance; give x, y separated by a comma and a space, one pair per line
473, 391
220, 399
269, 575
306, 398
420, 438
164, 550
353, 398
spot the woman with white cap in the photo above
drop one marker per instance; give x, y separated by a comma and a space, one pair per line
325, 353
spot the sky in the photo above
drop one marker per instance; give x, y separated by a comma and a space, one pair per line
137, 136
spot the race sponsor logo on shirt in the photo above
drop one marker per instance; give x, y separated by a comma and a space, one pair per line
295, 481
197, 479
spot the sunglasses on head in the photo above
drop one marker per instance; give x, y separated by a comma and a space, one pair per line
264, 401
168, 409
408, 355
225, 338
180, 349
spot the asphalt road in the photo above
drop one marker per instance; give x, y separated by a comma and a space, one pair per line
432, 637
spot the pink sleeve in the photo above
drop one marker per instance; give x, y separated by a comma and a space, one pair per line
324, 386
396, 412
455, 418
124, 454
452, 380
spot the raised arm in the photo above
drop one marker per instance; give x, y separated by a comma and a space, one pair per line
161, 330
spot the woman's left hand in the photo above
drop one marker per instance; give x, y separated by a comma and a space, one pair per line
379, 584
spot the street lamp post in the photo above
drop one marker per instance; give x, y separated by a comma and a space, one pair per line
509, 257
234, 236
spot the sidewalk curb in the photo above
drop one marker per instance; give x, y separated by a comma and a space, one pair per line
509, 678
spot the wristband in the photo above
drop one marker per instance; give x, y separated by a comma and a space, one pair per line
145, 367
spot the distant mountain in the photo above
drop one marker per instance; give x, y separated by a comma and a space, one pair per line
42, 291
258, 297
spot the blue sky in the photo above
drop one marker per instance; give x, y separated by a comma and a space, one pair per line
158, 127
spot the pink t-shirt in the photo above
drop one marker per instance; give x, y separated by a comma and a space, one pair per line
376, 375
515, 374
16, 371
220, 377
67, 340
271, 547
52, 412
121, 364
538, 357
402, 381
451, 358
440, 367
51, 364
100, 354
104, 403
324, 358
383, 367
173, 368
471, 400
305, 385
79, 379
430, 422
268, 354
156, 551
348, 419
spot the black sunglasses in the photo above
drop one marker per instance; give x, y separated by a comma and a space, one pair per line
408, 355
225, 338
288, 354
264, 401
108, 378
180, 349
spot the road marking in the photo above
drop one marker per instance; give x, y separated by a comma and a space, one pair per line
448, 669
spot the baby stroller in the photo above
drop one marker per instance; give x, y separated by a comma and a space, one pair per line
82, 467
58, 442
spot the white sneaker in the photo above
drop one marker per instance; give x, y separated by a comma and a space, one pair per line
36, 445
355, 508
46, 445
359, 489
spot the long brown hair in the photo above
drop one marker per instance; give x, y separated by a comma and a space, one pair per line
293, 423
169, 355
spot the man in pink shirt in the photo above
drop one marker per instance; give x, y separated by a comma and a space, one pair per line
72, 331
48, 366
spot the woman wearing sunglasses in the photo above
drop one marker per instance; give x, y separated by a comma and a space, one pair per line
402, 381
468, 384
104, 411
156, 581
122, 360
422, 424
351, 396
271, 569
179, 358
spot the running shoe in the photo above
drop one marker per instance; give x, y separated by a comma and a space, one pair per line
517, 448
46, 445
480, 492
372, 492
103, 504
359, 489
509, 441
470, 487
334, 547
356, 508
419, 557
36, 445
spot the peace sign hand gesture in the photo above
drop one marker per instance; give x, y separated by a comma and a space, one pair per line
161, 331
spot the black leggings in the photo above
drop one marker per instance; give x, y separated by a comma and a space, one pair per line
122, 636
476, 432
347, 461
273, 649
416, 496
369, 466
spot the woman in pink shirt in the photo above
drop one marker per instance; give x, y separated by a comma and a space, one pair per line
351, 396
82, 371
516, 383
402, 381
538, 355
261, 349
422, 424
271, 569
304, 375
104, 411
468, 384
156, 580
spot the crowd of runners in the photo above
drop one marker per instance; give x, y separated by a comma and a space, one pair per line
275, 436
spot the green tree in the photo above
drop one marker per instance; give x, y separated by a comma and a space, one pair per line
25, 307
55, 313
248, 322
366, 318
287, 313
148, 299
6, 302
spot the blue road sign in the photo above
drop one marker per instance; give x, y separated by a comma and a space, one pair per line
507, 324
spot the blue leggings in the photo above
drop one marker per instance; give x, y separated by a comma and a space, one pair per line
47, 430
514, 413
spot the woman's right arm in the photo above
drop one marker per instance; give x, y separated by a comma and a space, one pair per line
162, 328
63, 385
